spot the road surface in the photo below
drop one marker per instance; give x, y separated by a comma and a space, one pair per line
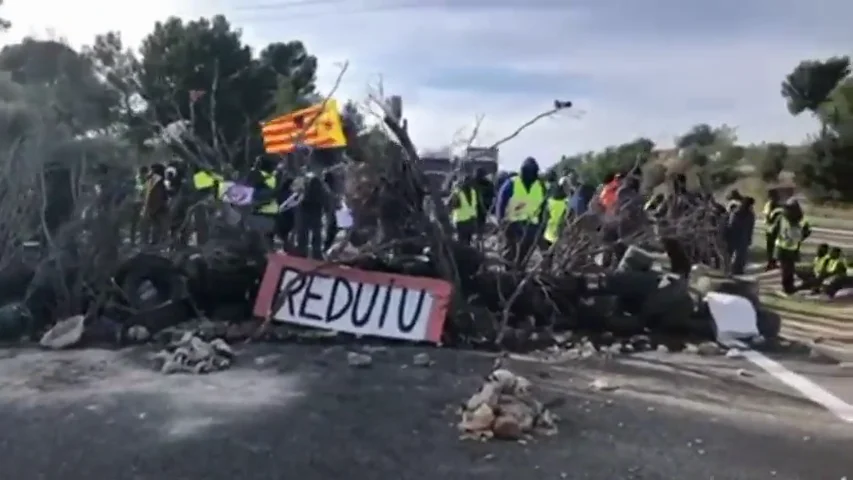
300, 412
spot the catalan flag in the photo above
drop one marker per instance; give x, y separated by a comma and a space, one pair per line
282, 134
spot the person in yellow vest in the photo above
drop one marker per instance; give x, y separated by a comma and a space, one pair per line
789, 230
838, 273
264, 180
464, 203
772, 211
556, 213
206, 185
812, 276
519, 210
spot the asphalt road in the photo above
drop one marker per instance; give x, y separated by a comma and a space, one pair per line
300, 412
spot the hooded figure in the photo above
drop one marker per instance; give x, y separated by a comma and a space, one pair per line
739, 229
519, 209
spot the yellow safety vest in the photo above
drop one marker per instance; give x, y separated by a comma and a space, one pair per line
204, 179
771, 213
790, 235
832, 265
525, 205
557, 209
467, 209
820, 264
270, 208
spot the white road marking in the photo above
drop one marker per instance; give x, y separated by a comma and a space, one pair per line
806, 387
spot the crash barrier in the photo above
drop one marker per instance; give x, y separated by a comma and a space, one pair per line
311, 293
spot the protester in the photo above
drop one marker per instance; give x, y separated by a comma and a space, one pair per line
812, 277
789, 230
675, 237
772, 211
263, 179
556, 208
739, 230
519, 210
837, 273
464, 203
309, 216
486, 190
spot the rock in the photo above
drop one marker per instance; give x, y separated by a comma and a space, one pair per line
359, 360
709, 348
422, 360
66, 333
480, 419
506, 427
690, 348
662, 349
734, 353
602, 385
138, 333
221, 348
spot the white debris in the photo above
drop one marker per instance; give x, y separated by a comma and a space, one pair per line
355, 359
422, 360
191, 354
66, 333
602, 385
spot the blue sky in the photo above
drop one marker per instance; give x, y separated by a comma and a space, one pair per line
632, 67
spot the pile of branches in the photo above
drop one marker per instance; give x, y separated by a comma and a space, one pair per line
411, 233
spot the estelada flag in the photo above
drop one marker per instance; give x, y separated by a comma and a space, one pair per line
282, 134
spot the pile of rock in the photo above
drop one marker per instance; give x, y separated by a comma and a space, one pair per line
505, 408
191, 354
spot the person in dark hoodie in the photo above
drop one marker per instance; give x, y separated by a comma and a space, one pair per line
486, 189
739, 234
519, 209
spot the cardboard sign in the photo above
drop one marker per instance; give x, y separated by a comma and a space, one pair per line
334, 297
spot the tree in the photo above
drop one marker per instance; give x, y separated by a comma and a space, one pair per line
202, 72
64, 78
810, 84
701, 135
773, 161
4, 24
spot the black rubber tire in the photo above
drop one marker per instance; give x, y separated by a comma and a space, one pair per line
636, 259
669, 308
161, 272
769, 323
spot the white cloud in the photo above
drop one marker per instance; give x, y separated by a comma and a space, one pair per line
650, 68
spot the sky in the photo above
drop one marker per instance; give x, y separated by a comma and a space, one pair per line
632, 68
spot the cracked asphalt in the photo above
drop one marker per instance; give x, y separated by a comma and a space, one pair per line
288, 411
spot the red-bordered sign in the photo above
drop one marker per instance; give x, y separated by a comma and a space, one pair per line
317, 294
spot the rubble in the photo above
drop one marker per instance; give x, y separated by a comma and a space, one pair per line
191, 354
505, 408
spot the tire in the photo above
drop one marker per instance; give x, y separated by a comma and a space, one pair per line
636, 259
143, 269
669, 308
769, 323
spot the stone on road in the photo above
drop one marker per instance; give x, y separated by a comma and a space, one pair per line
302, 412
